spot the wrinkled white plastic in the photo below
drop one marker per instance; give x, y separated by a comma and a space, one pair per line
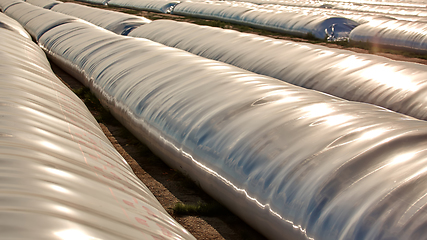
37, 20
9, 23
163, 6
48, 4
4, 4
382, 8
350, 14
292, 162
61, 178
101, 2
318, 24
116, 22
397, 3
399, 86
398, 34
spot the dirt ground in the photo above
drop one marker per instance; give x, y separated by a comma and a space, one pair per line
168, 185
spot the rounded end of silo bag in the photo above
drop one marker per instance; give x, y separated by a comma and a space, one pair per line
168, 8
335, 29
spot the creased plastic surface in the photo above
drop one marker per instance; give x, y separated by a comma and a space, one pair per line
292, 162
4, 4
116, 22
37, 20
48, 4
9, 23
381, 8
350, 14
399, 86
101, 2
320, 25
163, 6
60, 176
397, 34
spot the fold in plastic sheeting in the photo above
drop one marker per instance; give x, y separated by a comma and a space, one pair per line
319, 25
100, 2
401, 3
48, 4
355, 15
61, 178
384, 8
399, 86
9, 23
116, 22
35, 19
4, 4
162, 6
294, 163
396, 34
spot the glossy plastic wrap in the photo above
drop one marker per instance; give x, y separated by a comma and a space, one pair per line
4, 4
218, 10
163, 6
101, 2
9, 23
384, 9
318, 24
399, 86
35, 19
61, 178
396, 34
14, 43
399, 3
48, 4
350, 14
117, 22
294, 163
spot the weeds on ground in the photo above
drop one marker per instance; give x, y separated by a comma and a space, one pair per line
100, 113
200, 209
130, 11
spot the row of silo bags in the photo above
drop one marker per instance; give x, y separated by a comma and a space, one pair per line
402, 31
292, 162
399, 86
402, 27
318, 24
61, 178
116, 22
383, 8
358, 16
315, 23
395, 34
398, 26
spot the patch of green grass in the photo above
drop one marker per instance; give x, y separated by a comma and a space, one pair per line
130, 11
101, 114
88, 98
200, 209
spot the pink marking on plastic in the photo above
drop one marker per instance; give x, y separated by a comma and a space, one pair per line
129, 203
141, 221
